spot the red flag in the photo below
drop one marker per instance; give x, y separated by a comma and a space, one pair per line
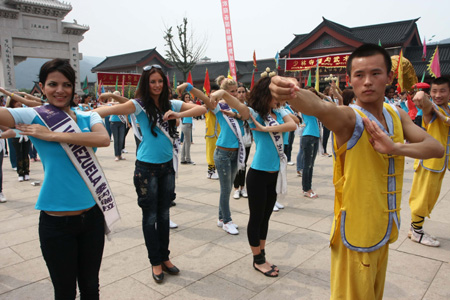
254, 61
189, 79
424, 52
123, 85
346, 80
306, 81
253, 80
434, 67
168, 79
99, 92
207, 84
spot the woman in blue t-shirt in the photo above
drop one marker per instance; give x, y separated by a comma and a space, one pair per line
263, 174
71, 225
154, 176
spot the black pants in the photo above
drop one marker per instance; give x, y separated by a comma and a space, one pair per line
23, 161
326, 135
262, 195
288, 146
73, 248
1, 170
239, 180
309, 145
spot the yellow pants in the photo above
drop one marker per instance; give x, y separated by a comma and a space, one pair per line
425, 190
210, 148
357, 275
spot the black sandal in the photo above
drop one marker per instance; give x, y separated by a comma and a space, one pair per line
259, 260
263, 252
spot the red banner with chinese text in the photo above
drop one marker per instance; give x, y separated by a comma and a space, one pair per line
229, 37
329, 61
111, 78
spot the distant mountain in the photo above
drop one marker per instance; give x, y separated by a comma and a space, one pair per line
28, 71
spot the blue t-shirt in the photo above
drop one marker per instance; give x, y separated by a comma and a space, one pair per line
311, 126
227, 138
154, 150
288, 110
266, 156
63, 188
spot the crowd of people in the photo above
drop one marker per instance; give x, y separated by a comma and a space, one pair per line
371, 128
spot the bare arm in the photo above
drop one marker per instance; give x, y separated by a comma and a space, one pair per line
29, 97
288, 125
98, 137
187, 110
421, 146
339, 119
232, 102
197, 93
105, 96
6, 119
7, 133
337, 93
422, 101
119, 109
27, 102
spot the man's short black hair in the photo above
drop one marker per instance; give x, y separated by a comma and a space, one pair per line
441, 80
369, 50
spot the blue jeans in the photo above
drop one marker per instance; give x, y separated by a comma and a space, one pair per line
118, 132
155, 186
300, 157
73, 248
12, 153
226, 166
310, 145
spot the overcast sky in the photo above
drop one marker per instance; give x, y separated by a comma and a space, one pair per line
118, 27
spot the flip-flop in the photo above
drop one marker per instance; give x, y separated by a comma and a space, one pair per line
268, 273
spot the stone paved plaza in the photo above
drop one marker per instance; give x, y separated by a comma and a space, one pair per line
215, 265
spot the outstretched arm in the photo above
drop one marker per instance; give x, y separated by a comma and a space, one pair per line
14, 96
187, 110
421, 146
98, 137
339, 119
7, 133
119, 109
197, 93
105, 96
232, 102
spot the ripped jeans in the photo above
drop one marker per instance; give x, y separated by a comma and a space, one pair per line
226, 166
309, 147
155, 186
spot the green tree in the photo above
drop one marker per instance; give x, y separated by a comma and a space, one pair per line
184, 54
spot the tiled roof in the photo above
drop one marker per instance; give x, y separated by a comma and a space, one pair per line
123, 60
44, 3
389, 34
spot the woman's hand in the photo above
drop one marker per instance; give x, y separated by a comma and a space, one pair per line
229, 113
171, 115
35, 130
258, 126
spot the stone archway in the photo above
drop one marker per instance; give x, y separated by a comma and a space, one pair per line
36, 29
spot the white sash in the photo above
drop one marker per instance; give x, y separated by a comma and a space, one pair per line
136, 130
234, 126
84, 160
164, 127
277, 138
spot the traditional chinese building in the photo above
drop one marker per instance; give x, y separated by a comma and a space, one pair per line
35, 28
329, 42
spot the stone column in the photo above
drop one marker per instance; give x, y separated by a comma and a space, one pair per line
7, 75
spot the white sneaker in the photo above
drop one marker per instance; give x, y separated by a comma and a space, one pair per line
244, 193
215, 176
124, 151
229, 227
275, 208
290, 163
20, 178
220, 224
237, 194
172, 224
26, 177
419, 236
279, 205
2, 198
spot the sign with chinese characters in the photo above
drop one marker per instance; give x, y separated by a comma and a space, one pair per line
330, 61
112, 78
9, 61
229, 37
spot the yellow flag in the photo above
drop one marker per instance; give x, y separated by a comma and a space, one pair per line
317, 76
400, 71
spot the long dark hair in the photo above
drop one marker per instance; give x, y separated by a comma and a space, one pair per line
62, 66
260, 97
153, 113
